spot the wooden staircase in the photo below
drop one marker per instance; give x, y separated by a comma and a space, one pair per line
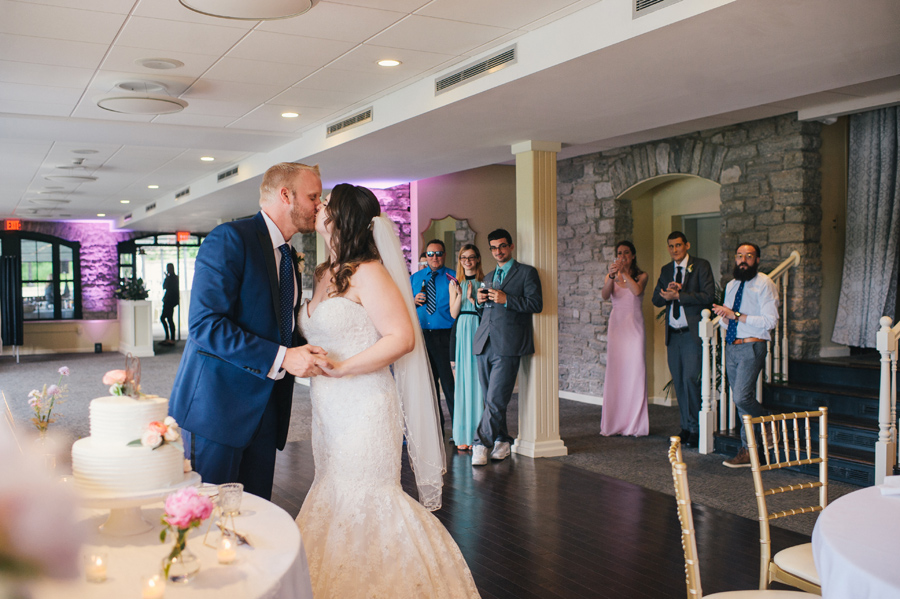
848, 387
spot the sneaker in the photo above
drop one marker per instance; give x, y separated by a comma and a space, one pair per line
741, 460
501, 451
479, 455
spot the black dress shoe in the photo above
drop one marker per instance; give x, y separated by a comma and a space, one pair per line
693, 440
685, 435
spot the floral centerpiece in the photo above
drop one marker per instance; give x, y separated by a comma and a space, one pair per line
185, 509
132, 289
43, 401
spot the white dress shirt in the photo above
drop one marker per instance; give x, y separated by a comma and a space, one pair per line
680, 322
759, 304
277, 241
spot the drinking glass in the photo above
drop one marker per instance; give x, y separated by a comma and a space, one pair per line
230, 495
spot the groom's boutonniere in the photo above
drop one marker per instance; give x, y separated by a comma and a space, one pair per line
298, 258
691, 267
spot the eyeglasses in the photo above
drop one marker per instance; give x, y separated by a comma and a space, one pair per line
468, 258
742, 256
433, 254
497, 248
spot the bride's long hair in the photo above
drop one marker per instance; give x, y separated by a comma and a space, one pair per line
350, 212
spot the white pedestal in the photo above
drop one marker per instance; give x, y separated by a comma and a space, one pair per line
136, 328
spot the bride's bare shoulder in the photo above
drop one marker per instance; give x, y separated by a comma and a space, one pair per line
370, 273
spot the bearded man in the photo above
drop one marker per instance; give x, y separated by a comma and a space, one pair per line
749, 314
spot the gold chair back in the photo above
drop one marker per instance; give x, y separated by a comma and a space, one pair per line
787, 441
686, 518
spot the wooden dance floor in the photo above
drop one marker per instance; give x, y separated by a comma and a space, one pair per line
539, 529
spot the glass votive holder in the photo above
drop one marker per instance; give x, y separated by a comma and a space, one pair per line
230, 495
153, 587
95, 565
227, 549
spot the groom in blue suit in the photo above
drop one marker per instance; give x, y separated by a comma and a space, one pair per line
233, 391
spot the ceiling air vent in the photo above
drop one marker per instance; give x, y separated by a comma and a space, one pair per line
127, 217
357, 119
492, 64
645, 7
150, 207
229, 173
183, 193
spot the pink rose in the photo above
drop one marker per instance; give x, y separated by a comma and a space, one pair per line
186, 506
157, 427
114, 377
151, 439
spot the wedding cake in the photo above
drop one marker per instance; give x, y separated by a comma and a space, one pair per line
108, 462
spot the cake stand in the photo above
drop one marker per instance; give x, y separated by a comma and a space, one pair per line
125, 516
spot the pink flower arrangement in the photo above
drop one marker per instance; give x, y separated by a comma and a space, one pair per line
116, 380
185, 509
159, 433
42, 402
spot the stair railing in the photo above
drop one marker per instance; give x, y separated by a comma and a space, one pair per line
886, 447
715, 396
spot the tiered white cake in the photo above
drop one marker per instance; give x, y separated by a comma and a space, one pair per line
104, 463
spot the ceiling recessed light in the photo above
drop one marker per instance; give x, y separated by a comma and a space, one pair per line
153, 187
85, 151
207, 158
101, 214
389, 63
258, 10
290, 115
124, 201
161, 64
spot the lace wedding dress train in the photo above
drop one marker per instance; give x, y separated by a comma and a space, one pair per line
364, 536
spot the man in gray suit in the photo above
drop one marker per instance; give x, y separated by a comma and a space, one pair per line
512, 293
685, 287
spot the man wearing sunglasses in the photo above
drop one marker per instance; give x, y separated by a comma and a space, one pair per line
431, 287
511, 294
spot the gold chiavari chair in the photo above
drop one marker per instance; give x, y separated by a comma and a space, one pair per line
689, 540
787, 441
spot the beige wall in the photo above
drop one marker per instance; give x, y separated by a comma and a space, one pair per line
485, 196
653, 212
69, 336
834, 226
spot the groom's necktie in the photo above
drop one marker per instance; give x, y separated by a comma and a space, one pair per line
676, 305
431, 294
731, 333
286, 291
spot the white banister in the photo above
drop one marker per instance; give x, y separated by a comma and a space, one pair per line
886, 446
717, 410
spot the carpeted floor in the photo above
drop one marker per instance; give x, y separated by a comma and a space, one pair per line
641, 461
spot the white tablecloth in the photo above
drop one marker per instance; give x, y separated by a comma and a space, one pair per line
275, 568
856, 543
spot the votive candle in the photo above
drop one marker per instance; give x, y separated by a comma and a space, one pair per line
95, 567
227, 551
154, 587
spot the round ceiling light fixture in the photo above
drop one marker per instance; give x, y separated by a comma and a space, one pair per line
124, 201
142, 86
258, 10
207, 158
85, 151
101, 214
159, 64
153, 187
389, 63
70, 178
143, 104
290, 115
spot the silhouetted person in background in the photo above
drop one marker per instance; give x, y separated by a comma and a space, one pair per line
170, 300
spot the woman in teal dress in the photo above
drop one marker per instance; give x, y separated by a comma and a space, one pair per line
469, 400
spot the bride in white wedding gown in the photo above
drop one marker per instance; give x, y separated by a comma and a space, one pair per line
364, 536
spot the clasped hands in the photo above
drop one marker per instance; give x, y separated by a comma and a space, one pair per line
309, 361
672, 292
494, 295
724, 312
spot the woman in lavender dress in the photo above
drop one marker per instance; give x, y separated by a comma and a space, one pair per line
625, 385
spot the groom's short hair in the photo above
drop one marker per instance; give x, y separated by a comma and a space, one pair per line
280, 175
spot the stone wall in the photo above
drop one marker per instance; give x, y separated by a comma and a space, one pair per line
770, 191
99, 261
395, 205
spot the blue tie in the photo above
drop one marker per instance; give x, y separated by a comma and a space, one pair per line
498, 278
731, 333
286, 291
431, 294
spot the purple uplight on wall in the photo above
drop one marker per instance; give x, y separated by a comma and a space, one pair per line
395, 204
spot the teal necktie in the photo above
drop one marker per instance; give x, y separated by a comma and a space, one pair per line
498, 278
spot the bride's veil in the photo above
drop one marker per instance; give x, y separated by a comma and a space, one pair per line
424, 439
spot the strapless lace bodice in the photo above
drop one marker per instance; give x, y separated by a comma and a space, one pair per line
364, 536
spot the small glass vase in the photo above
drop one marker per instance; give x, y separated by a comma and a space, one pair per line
182, 567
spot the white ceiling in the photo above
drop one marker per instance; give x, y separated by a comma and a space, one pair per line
588, 75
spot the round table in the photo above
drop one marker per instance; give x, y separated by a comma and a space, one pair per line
856, 542
275, 568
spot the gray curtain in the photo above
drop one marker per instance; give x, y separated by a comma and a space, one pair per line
872, 254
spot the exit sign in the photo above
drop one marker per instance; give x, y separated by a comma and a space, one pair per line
13, 225
183, 236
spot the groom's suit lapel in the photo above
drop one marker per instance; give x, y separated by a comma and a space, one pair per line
265, 241
509, 275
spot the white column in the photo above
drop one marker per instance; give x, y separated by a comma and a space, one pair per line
536, 245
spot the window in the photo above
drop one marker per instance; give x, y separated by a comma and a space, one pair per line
51, 282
